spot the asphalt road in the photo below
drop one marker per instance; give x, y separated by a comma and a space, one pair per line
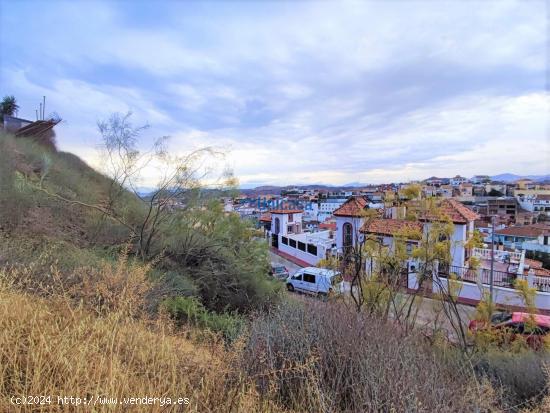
429, 312
290, 266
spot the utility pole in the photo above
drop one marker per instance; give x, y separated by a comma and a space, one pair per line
492, 258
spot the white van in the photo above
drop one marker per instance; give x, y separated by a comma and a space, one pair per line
314, 280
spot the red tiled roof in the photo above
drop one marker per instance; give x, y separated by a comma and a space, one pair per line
457, 212
450, 208
353, 207
328, 225
535, 230
533, 263
265, 217
481, 224
390, 226
543, 197
286, 211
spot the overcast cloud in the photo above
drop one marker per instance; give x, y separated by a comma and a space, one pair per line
296, 92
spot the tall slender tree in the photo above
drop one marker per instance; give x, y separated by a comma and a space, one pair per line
8, 106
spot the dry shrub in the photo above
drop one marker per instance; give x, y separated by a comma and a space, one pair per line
49, 347
122, 287
321, 357
523, 375
102, 285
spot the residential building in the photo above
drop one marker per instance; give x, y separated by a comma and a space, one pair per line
350, 221
12, 124
328, 205
287, 236
503, 207
466, 192
350, 217
445, 191
539, 204
526, 187
458, 180
435, 181
535, 237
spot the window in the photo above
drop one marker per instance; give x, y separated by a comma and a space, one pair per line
277, 225
297, 277
289, 229
292, 242
284, 240
309, 278
312, 249
301, 246
347, 232
290, 217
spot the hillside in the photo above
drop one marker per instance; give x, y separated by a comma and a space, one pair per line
508, 177
85, 313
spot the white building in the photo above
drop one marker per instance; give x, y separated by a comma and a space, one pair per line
535, 203
350, 217
327, 206
287, 236
458, 180
350, 223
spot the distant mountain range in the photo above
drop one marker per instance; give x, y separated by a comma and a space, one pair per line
274, 189
508, 177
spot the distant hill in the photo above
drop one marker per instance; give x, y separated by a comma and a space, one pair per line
508, 177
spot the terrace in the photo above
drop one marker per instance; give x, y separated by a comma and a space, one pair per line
507, 268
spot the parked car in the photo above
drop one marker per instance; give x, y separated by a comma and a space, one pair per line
279, 271
532, 327
314, 280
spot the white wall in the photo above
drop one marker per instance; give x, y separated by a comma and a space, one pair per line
296, 218
458, 253
302, 255
356, 224
505, 296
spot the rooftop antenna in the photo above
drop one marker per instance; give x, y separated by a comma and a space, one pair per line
44, 108
40, 110
36, 114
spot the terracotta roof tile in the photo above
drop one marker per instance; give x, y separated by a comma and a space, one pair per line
458, 212
390, 226
265, 217
533, 263
328, 225
353, 207
535, 230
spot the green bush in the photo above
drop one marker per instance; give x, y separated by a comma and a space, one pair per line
218, 252
189, 310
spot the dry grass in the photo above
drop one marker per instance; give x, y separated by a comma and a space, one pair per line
49, 347
87, 334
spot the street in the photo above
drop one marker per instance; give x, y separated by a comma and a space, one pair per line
290, 266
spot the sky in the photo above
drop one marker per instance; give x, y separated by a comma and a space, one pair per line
295, 92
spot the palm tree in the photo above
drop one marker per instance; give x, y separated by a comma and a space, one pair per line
8, 106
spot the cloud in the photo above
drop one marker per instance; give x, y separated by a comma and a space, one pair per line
308, 91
